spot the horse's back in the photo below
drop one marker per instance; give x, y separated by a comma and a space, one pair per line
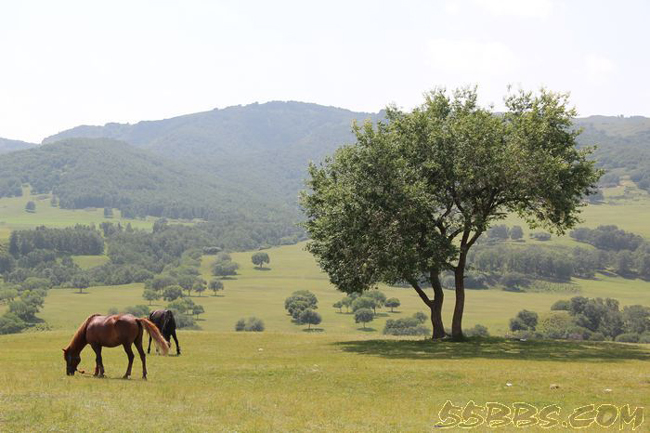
114, 330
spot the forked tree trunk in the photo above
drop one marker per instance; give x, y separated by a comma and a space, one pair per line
457, 321
436, 307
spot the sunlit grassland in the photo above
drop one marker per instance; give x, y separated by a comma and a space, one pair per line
261, 293
306, 382
13, 215
87, 262
625, 206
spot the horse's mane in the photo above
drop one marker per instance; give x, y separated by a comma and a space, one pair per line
80, 332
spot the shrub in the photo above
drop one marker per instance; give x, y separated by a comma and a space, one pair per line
516, 233
172, 293
555, 325
364, 302
363, 315
11, 324
514, 280
628, 338
224, 267
184, 321
477, 331
405, 326
644, 338
252, 324
300, 300
541, 236
561, 305
137, 310
309, 317
525, 320
260, 258
597, 336
392, 303
420, 317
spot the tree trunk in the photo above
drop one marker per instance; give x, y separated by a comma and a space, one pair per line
436, 306
457, 321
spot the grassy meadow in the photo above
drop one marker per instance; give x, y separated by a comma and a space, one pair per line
336, 377
308, 382
13, 215
261, 293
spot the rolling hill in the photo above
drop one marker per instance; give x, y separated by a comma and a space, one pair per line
7, 145
85, 173
261, 147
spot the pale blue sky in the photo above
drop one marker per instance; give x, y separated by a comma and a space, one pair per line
67, 63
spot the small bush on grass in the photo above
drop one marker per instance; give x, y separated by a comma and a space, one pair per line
628, 338
477, 331
405, 326
252, 324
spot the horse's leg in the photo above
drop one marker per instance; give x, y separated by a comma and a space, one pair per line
129, 353
99, 366
149, 348
178, 348
143, 357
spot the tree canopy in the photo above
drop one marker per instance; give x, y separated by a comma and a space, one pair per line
415, 192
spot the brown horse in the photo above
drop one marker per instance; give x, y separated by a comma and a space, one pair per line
111, 331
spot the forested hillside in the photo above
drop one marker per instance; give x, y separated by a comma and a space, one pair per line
107, 173
623, 147
261, 147
7, 145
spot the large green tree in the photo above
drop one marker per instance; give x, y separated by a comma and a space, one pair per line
415, 192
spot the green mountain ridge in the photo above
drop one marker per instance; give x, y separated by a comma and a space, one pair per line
84, 172
260, 146
248, 159
7, 145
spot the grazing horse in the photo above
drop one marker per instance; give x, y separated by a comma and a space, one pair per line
164, 320
111, 331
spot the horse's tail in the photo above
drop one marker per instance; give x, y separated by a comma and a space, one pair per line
155, 333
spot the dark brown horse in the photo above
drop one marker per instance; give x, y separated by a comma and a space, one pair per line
164, 321
111, 331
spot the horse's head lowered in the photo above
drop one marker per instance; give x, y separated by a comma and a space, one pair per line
72, 362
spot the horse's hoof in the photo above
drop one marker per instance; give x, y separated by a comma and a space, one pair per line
144, 377
125, 377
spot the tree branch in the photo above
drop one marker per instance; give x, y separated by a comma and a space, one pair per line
418, 289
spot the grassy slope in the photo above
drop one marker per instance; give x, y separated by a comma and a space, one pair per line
13, 215
261, 293
280, 382
336, 379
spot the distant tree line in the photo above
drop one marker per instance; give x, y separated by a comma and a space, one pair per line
608, 237
78, 240
11, 187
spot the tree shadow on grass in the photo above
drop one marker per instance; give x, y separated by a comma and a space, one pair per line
262, 268
314, 330
498, 348
367, 329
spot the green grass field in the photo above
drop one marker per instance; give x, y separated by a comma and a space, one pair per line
261, 293
308, 382
13, 215
339, 377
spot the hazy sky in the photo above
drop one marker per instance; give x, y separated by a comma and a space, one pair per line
65, 63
